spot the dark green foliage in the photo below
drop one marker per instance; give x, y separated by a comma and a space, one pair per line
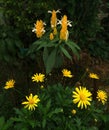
5, 125
99, 48
54, 113
83, 14
87, 26
10, 44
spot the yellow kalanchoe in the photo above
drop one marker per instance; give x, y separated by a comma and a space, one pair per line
82, 97
39, 28
93, 76
67, 73
38, 77
102, 96
9, 84
32, 102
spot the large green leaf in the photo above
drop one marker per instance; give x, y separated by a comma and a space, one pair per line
2, 122
66, 53
45, 55
51, 61
75, 48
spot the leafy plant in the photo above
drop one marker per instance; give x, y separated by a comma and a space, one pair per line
5, 125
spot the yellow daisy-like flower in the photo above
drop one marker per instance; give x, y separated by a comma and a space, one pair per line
93, 76
39, 28
38, 77
73, 111
82, 96
67, 73
32, 102
51, 36
9, 84
102, 96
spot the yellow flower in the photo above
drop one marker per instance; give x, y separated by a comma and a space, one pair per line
51, 36
64, 31
102, 96
38, 77
67, 73
64, 34
39, 28
41, 86
64, 22
9, 84
53, 18
73, 111
32, 102
93, 76
54, 31
82, 96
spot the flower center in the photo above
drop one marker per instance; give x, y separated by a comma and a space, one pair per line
31, 101
101, 96
11, 84
82, 97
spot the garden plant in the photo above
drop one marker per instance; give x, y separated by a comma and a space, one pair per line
51, 92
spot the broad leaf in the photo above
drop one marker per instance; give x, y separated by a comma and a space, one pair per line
51, 61
75, 48
65, 52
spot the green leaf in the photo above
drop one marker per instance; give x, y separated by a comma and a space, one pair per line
43, 123
65, 52
73, 44
51, 61
47, 108
2, 122
45, 55
56, 111
75, 48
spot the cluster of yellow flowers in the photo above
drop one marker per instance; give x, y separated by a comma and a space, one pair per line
39, 26
81, 96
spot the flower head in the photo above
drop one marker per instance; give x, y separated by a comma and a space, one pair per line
102, 96
53, 18
64, 31
51, 36
41, 86
82, 96
73, 111
38, 77
64, 34
32, 102
39, 28
67, 73
93, 76
65, 22
55, 31
9, 84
